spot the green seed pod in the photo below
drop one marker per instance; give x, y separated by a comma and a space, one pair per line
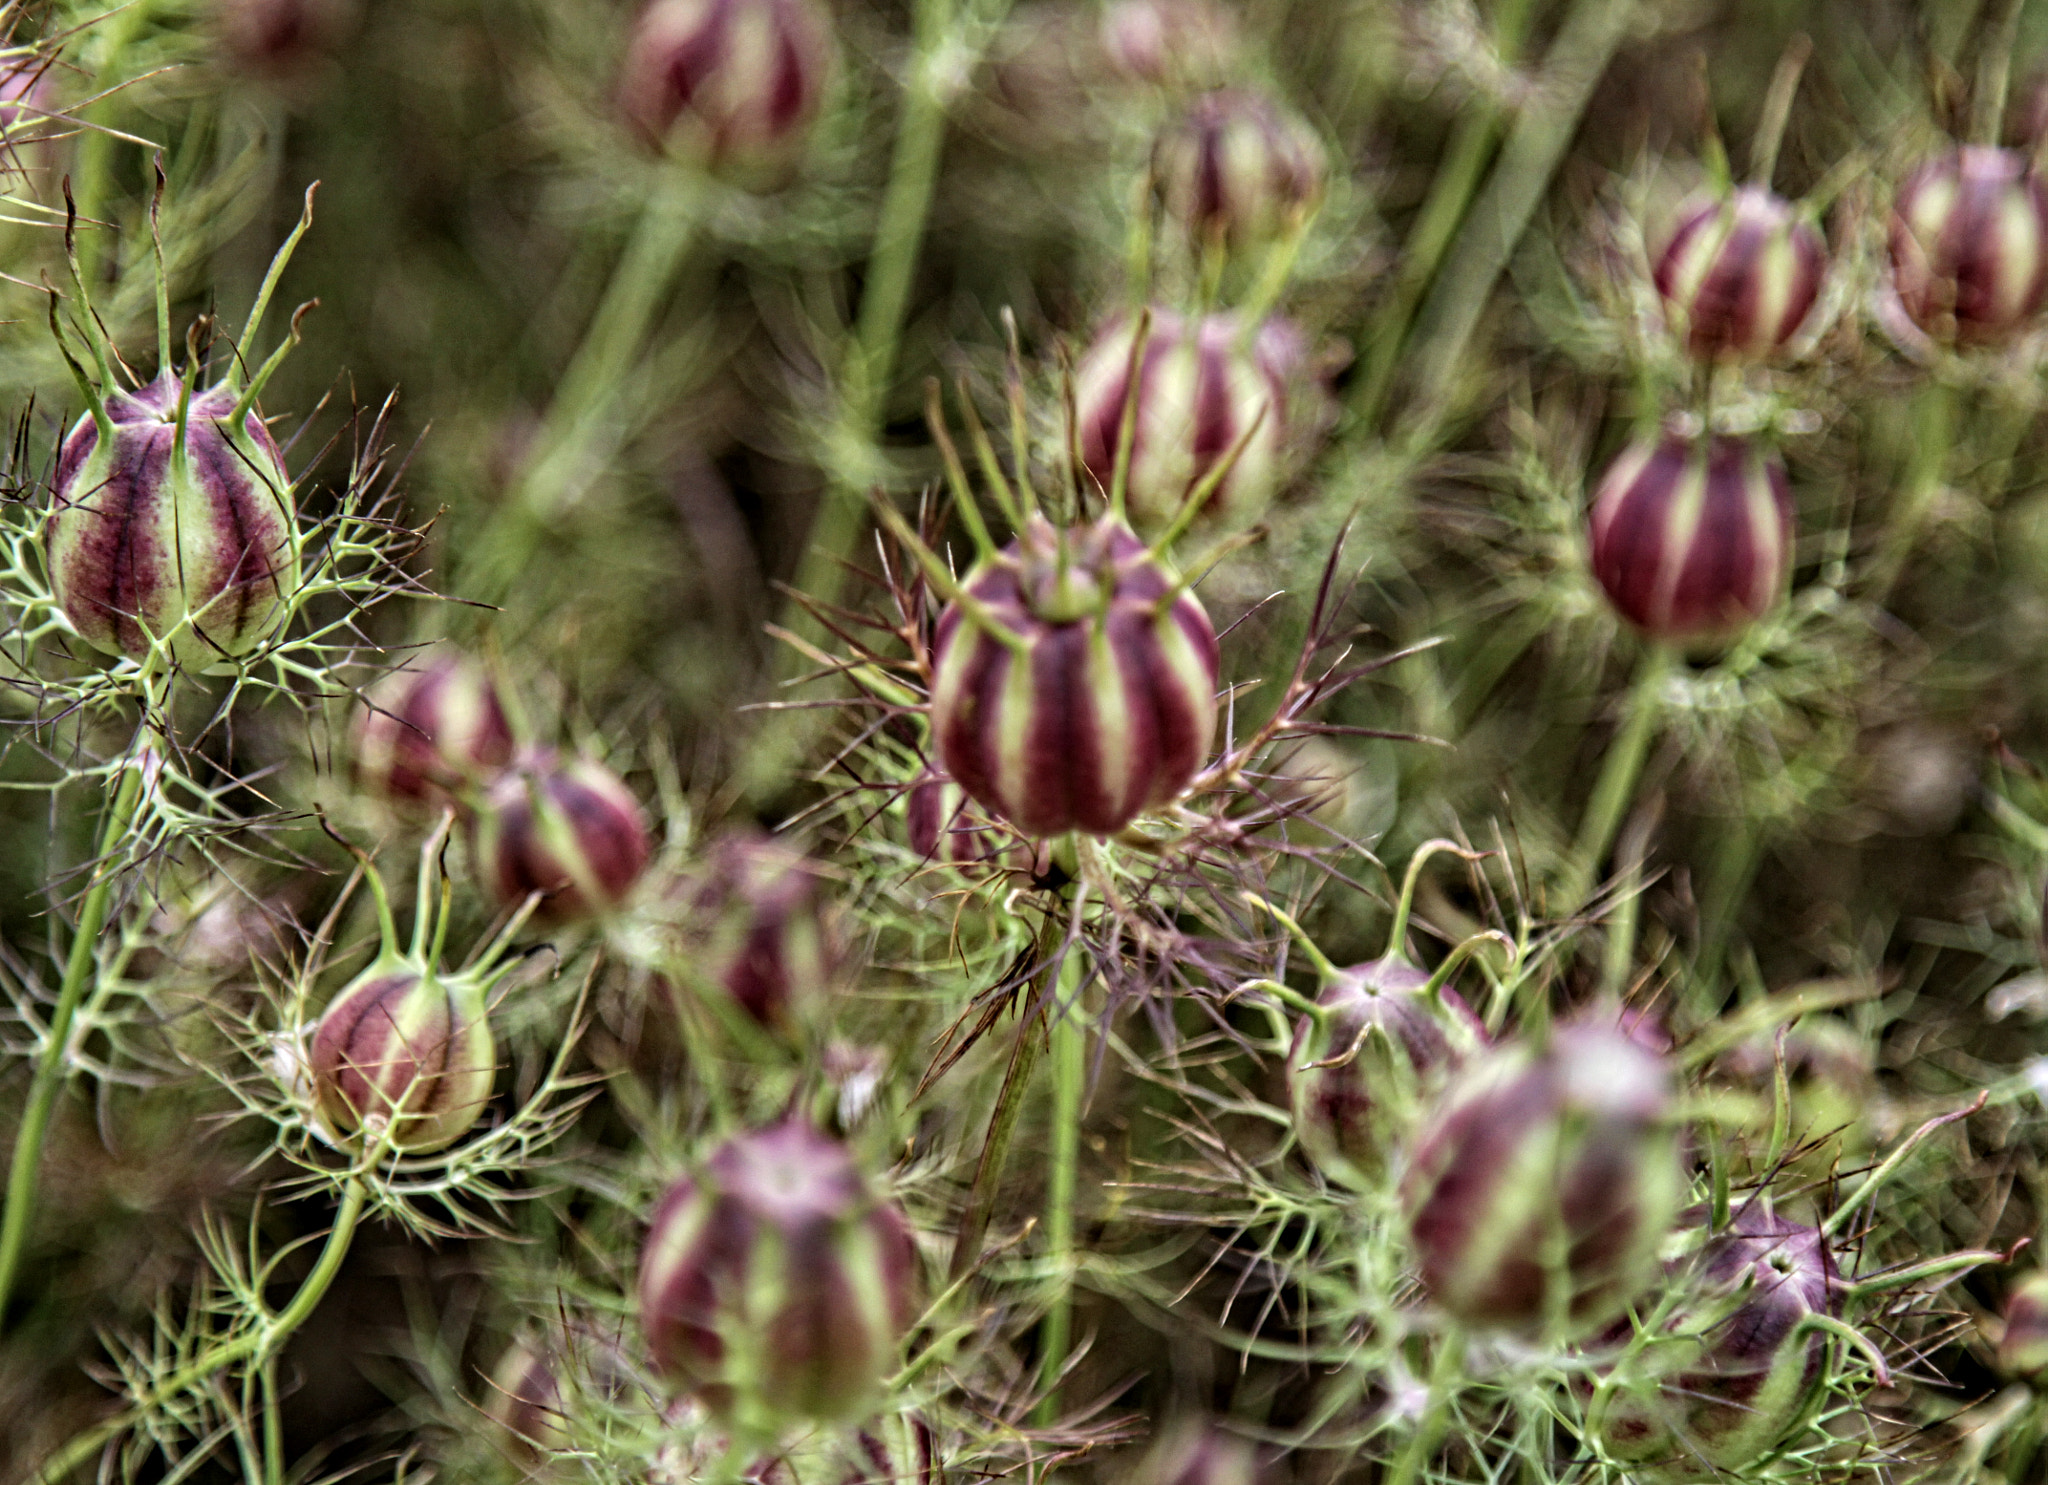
569, 829
524, 1399
406, 1049
760, 926
426, 732
2023, 1350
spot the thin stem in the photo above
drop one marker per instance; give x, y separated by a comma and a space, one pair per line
1777, 110
1069, 1079
273, 1426
1934, 433
1615, 787
1429, 1430
1994, 72
96, 149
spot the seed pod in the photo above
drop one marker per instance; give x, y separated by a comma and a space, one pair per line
425, 733
524, 1399
898, 1450
571, 830
192, 540
733, 87
762, 930
1081, 689
1197, 1453
1170, 43
1543, 1183
277, 38
938, 825
1969, 244
1692, 537
1236, 171
1357, 1079
404, 1048
1200, 392
2023, 1350
1736, 1379
1741, 274
774, 1285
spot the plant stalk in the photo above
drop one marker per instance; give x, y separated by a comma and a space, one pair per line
1616, 784
1935, 417
1069, 1082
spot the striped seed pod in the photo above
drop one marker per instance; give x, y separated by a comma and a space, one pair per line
1357, 1079
1969, 244
1077, 685
1197, 1453
762, 929
277, 38
939, 826
168, 524
425, 733
1544, 1182
1170, 43
1236, 171
406, 1049
1737, 1378
525, 1401
774, 1284
1692, 537
2023, 1350
570, 830
1200, 393
1741, 274
896, 1450
733, 87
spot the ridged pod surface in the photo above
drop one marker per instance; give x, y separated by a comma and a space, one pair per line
1200, 391
2023, 1350
1969, 244
425, 732
1082, 690
1541, 1187
938, 826
774, 1285
1236, 170
405, 1048
732, 86
761, 928
524, 1399
1692, 537
142, 538
1741, 274
570, 829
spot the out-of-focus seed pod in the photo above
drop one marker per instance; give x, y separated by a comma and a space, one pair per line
898, 1450
427, 732
277, 38
1730, 1392
939, 826
1542, 1185
1197, 1453
1969, 244
1237, 171
1200, 391
1692, 537
761, 928
730, 86
151, 532
2023, 1349
1170, 43
570, 829
1081, 689
1358, 1079
1741, 274
524, 1399
775, 1285
406, 1049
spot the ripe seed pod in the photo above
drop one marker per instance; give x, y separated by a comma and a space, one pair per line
1969, 244
938, 826
1692, 537
774, 1285
1738, 1386
1081, 688
409, 1049
730, 86
762, 929
524, 1399
1236, 171
1741, 274
569, 829
2023, 1350
1170, 43
424, 733
1542, 1185
152, 533
1356, 1080
1199, 393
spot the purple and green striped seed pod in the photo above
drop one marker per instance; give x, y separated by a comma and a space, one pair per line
1197, 1452
1541, 1186
1357, 1080
1171, 43
524, 1399
1200, 391
940, 826
426, 732
1730, 1393
569, 829
409, 1050
775, 1285
1238, 171
147, 538
732, 87
1081, 689
1692, 537
2023, 1349
897, 1450
1969, 244
1741, 274
761, 926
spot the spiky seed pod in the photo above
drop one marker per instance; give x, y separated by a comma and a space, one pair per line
731, 86
1543, 1183
2023, 1349
1741, 274
406, 1049
150, 532
570, 829
1200, 390
1969, 244
1081, 688
1170, 43
1237, 171
426, 732
1692, 537
1737, 1384
774, 1284
1357, 1079
524, 1399
1197, 1453
763, 930
938, 825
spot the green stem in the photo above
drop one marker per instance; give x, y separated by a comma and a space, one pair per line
1615, 787
96, 148
50, 1061
1429, 1429
1069, 1079
1934, 432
